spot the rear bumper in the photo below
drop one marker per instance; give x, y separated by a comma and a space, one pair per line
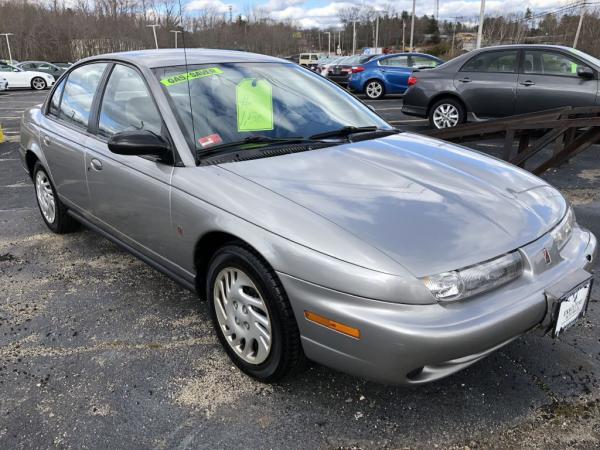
339, 79
414, 344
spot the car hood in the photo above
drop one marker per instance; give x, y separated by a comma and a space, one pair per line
429, 205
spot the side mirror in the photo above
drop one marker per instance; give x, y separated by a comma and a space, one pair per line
585, 72
138, 142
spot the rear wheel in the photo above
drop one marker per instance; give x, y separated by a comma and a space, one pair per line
38, 83
252, 315
52, 209
446, 113
374, 89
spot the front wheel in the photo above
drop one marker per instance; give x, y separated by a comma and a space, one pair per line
252, 315
374, 89
446, 113
38, 83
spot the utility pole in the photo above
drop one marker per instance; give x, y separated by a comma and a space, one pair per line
176, 32
403, 33
230, 14
412, 27
354, 37
480, 30
376, 32
328, 43
340, 41
453, 36
437, 10
6, 35
154, 31
579, 25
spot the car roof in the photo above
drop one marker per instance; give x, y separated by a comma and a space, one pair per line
177, 57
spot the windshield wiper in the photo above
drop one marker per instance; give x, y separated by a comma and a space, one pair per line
232, 146
349, 130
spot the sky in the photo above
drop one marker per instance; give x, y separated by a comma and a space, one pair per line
324, 13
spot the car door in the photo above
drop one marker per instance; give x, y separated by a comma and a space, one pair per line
549, 79
395, 72
14, 76
64, 132
487, 83
129, 194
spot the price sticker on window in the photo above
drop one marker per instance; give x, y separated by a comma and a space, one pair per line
254, 104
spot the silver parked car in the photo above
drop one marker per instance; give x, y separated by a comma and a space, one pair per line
312, 227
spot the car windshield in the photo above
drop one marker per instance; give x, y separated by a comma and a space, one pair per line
227, 103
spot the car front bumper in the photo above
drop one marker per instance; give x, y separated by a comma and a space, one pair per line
413, 344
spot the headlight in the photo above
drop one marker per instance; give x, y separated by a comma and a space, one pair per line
562, 232
463, 283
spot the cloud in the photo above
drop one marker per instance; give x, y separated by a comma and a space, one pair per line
211, 5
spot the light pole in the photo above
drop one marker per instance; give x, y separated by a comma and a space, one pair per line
176, 33
154, 31
6, 35
328, 43
412, 27
376, 32
480, 30
354, 37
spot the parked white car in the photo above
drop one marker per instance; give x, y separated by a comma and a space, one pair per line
3, 84
18, 78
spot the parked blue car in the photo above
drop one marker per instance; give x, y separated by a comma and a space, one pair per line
389, 74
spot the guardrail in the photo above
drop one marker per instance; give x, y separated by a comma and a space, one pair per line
569, 130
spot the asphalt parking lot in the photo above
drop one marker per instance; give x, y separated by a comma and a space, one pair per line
98, 350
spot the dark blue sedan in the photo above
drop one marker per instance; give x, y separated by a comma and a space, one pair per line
389, 74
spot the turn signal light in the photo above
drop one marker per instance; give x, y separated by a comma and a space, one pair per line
332, 324
412, 81
358, 69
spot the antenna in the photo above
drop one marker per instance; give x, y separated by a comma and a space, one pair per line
188, 80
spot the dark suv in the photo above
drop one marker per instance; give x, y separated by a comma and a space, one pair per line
501, 81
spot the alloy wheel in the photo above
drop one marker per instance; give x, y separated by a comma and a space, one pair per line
45, 196
242, 315
38, 83
374, 89
446, 115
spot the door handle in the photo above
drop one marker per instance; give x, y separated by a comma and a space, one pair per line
96, 164
465, 80
46, 140
527, 83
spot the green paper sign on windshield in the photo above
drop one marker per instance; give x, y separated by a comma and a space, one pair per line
254, 104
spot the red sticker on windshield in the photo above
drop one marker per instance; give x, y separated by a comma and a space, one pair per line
211, 139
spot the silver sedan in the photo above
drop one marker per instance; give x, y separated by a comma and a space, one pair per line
313, 228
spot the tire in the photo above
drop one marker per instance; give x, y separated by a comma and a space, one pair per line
446, 113
38, 84
55, 217
239, 276
374, 89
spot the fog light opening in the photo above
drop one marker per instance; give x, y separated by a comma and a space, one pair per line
414, 374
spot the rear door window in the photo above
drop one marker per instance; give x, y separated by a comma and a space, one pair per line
395, 61
79, 94
493, 62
